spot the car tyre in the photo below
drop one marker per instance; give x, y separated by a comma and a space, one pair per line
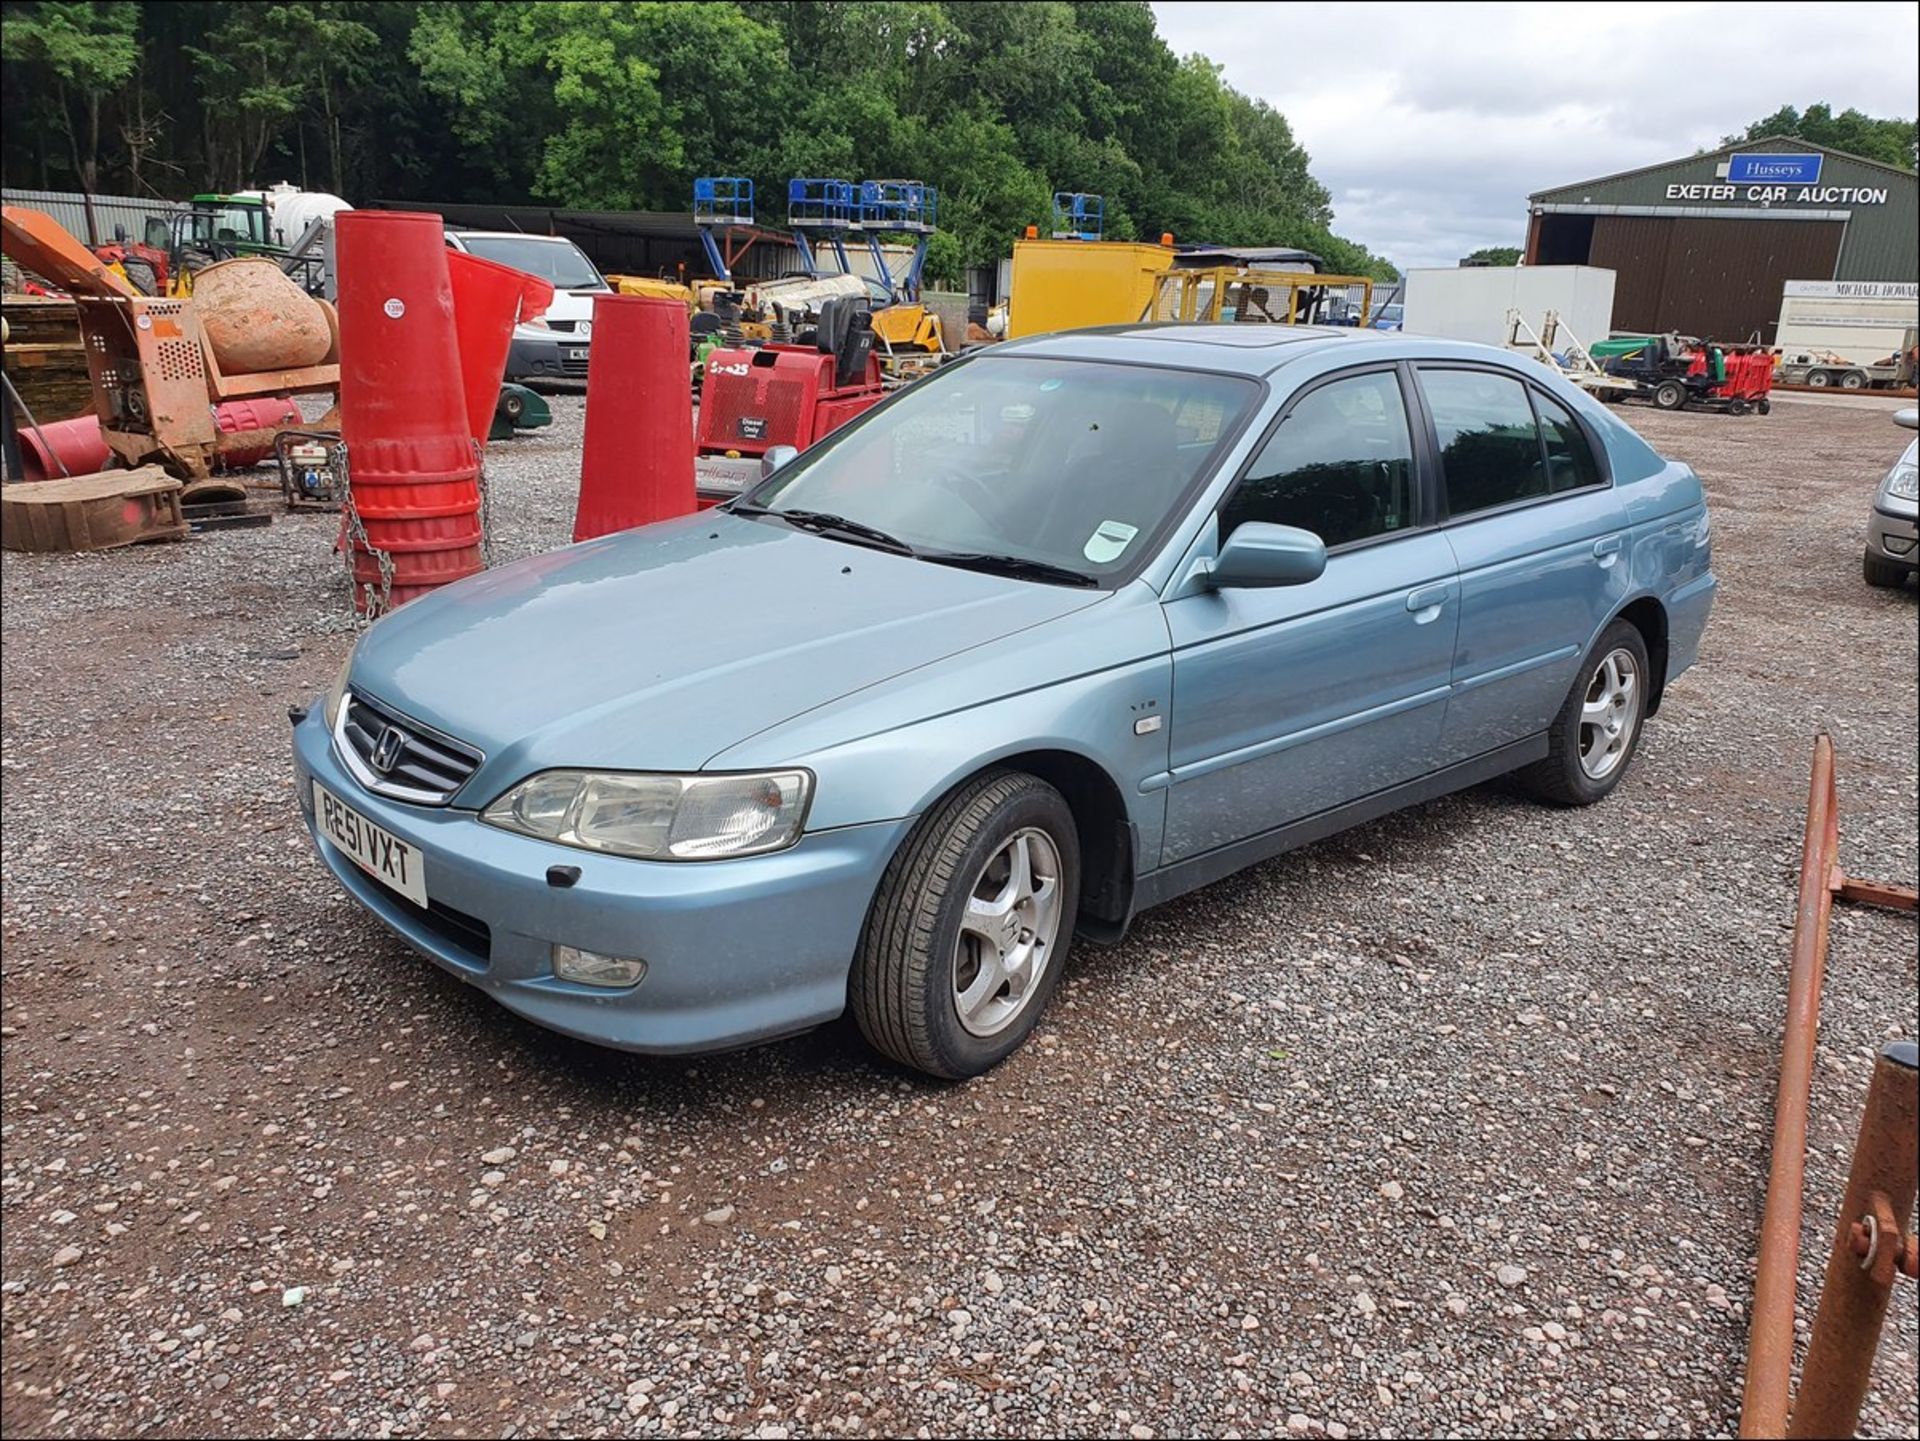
1882, 574
1670, 395
923, 985
1592, 741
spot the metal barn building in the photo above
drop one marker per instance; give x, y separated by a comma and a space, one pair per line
1706, 245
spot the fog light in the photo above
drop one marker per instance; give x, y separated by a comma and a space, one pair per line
590, 968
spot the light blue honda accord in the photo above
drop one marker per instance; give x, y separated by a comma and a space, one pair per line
1071, 627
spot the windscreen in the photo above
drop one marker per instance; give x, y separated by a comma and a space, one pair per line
1076, 464
557, 260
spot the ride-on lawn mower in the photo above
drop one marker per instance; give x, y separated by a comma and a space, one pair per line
755, 398
1675, 373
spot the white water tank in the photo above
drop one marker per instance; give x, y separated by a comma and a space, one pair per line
291, 210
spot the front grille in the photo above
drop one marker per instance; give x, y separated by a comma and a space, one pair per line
566, 325
392, 755
570, 366
457, 928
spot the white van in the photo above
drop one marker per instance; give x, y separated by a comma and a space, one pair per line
553, 347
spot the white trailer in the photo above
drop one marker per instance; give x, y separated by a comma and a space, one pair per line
1860, 322
1471, 302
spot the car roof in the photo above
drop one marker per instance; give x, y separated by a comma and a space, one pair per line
1249, 349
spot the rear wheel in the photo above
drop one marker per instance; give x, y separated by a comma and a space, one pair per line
1883, 574
1854, 380
1592, 740
1820, 379
1670, 395
970, 928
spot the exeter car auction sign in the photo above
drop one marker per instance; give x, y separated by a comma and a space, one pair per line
1775, 180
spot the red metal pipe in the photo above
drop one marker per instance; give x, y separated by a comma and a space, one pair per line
1763, 1412
1853, 1300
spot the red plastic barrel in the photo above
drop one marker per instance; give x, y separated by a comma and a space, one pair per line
268, 416
413, 468
76, 445
637, 463
488, 300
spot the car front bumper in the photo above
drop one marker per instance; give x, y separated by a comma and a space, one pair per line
1893, 538
737, 951
556, 357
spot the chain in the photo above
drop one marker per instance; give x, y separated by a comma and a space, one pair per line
486, 505
357, 542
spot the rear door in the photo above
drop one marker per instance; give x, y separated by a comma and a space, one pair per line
1296, 699
1539, 536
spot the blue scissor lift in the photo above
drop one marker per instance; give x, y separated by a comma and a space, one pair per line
723, 203
1078, 215
836, 210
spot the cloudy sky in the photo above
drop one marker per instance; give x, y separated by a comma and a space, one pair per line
1431, 123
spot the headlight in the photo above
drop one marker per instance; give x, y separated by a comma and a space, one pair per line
658, 817
1902, 481
339, 691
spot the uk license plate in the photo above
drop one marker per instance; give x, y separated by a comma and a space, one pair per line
378, 852
577, 352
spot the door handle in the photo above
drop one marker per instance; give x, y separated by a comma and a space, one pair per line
1607, 549
1425, 603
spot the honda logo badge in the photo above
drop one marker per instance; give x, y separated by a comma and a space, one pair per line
386, 750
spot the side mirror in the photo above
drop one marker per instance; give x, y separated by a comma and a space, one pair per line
776, 457
1909, 417
1258, 554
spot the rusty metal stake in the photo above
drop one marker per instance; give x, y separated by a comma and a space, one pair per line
1763, 1411
1853, 1302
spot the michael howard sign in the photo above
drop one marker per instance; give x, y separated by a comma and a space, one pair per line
1774, 169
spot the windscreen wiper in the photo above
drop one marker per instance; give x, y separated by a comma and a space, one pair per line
1018, 566
822, 522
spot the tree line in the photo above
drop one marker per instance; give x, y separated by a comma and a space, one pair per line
614, 104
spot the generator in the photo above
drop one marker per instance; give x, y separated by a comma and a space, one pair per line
754, 398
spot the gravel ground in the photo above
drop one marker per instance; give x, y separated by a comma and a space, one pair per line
1456, 1123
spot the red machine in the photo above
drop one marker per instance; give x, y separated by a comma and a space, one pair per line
756, 398
1747, 382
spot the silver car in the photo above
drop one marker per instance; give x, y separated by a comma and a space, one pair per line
1893, 525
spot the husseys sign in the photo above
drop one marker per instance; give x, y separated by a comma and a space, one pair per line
1776, 180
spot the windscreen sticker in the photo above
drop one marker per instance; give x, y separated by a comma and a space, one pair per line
1109, 540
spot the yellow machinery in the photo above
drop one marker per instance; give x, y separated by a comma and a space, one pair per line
1067, 284
1238, 293
910, 338
651, 288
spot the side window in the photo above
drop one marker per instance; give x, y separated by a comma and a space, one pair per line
1340, 465
1489, 446
1570, 463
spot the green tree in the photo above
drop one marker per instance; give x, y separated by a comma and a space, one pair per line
1891, 142
1497, 255
88, 51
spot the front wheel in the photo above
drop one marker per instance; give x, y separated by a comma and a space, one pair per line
1820, 379
970, 928
1882, 574
1854, 380
1592, 740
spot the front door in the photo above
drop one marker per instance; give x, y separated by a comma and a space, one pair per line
1291, 700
